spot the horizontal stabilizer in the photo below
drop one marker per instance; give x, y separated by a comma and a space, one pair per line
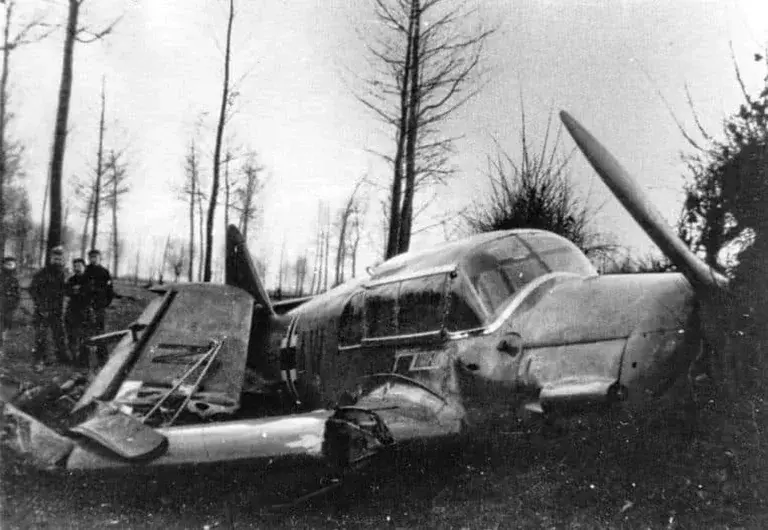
122, 434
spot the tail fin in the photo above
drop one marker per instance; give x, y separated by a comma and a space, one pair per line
240, 271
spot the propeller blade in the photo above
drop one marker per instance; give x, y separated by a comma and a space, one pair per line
625, 188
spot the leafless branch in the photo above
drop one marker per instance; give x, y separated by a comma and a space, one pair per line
86, 35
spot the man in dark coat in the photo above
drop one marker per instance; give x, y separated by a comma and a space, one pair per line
77, 315
47, 291
9, 294
99, 284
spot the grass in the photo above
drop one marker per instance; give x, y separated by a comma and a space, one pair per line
655, 473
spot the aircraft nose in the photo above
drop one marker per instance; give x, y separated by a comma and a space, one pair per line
487, 380
652, 362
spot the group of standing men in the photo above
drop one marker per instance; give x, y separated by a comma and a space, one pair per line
88, 292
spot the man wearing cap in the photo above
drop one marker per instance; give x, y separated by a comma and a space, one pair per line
76, 316
47, 290
9, 294
99, 285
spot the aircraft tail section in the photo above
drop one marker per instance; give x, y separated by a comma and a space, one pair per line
241, 272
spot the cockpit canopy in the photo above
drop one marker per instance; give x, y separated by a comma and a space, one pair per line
460, 287
499, 268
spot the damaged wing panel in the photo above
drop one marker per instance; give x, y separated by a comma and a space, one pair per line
186, 334
178, 334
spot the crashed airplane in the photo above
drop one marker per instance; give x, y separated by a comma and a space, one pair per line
433, 344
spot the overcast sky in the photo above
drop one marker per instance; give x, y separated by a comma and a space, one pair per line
606, 62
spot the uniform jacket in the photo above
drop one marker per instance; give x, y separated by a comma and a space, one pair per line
9, 291
99, 285
47, 289
77, 292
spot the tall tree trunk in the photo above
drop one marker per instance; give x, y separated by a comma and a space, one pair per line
217, 148
115, 245
164, 261
303, 275
298, 276
356, 243
60, 130
406, 219
312, 283
320, 269
397, 180
246, 218
226, 189
84, 237
99, 172
191, 265
314, 287
282, 266
340, 250
192, 167
200, 233
136, 267
41, 243
327, 249
3, 101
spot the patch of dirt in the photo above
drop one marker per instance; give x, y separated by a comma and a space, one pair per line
657, 473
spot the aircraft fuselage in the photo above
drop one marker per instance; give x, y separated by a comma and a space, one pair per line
561, 342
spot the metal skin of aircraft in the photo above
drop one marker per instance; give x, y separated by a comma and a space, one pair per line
433, 344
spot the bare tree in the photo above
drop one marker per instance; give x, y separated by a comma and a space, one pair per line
228, 158
10, 153
343, 225
327, 242
88, 212
322, 243
282, 268
105, 191
200, 230
191, 193
116, 176
317, 259
174, 257
537, 193
18, 221
217, 148
426, 66
136, 267
356, 226
252, 184
99, 172
300, 273
165, 259
73, 33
